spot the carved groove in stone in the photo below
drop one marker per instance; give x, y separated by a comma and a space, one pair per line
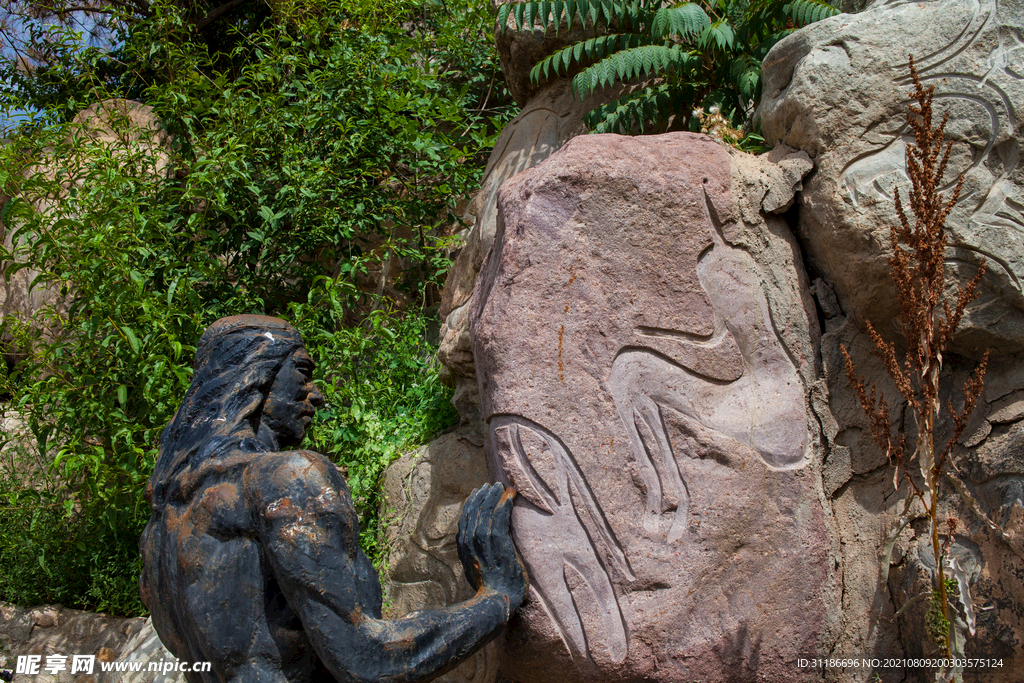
574, 528
761, 409
873, 175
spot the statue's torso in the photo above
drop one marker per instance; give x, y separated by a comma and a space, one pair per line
212, 590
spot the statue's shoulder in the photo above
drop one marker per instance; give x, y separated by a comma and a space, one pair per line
299, 474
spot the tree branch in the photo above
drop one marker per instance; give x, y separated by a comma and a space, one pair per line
216, 13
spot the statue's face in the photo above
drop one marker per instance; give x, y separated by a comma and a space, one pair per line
293, 399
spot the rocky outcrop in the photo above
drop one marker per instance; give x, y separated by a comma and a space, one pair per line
646, 357
550, 119
423, 494
144, 649
55, 630
592, 384
838, 90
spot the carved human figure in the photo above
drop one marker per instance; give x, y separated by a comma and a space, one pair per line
640, 334
762, 409
251, 556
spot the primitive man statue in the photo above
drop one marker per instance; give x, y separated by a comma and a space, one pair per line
251, 558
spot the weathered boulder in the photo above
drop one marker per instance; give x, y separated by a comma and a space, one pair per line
646, 353
859, 484
551, 118
144, 650
423, 494
838, 90
55, 630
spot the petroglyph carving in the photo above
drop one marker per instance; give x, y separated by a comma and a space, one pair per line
567, 520
984, 117
973, 56
635, 349
762, 408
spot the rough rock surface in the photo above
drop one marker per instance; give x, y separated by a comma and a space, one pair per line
646, 358
859, 482
145, 648
838, 90
518, 51
546, 123
551, 118
855, 130
56, 630
423, 495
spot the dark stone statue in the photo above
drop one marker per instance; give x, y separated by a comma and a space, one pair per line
252, 560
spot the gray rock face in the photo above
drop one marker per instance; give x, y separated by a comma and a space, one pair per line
838, 90
145, 649
55, 630
424, 493
859, 483
645, 358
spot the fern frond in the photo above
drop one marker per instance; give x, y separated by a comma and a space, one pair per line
746, 76
686, 21
629, 64
718, 35
528, 16
635, 110
804, 12
585, 50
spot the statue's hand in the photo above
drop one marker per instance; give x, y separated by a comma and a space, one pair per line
485, 544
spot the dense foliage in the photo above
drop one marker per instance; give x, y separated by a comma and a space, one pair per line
707, 55
307, 166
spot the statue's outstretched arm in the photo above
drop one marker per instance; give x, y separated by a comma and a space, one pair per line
309, 530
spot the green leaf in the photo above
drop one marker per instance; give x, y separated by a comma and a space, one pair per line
133, 341
746, 75
571, 10
685, 22
171, 290
804, 12
503, 15
557, 10
719, 35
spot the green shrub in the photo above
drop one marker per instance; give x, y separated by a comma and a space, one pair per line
707, 55
383, 396
324, 144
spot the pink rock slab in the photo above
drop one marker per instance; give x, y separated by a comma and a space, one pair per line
643, 404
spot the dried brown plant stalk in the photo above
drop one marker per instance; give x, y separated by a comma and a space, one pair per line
928, 321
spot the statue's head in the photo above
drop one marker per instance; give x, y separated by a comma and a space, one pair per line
252, 380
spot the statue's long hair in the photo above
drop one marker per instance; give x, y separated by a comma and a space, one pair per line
211, 439
215, 428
